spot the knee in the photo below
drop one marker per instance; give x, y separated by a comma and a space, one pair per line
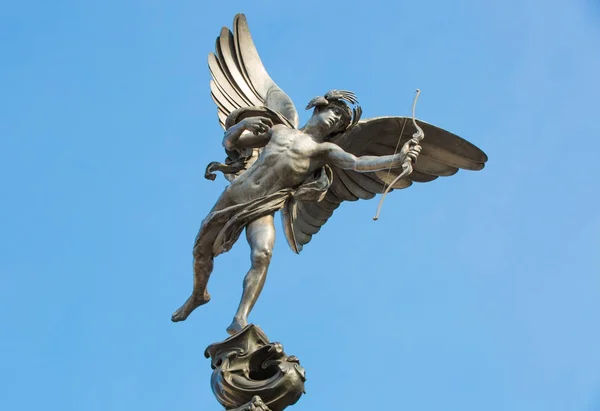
200, 254
261, 256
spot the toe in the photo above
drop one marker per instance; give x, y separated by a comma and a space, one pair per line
177, 316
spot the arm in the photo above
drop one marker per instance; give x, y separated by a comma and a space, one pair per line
336, 156
251, 132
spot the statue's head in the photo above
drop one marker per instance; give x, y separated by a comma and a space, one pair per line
333, 112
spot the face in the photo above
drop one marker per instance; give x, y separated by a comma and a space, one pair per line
328, 116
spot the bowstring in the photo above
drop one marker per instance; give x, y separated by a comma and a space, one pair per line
389, 171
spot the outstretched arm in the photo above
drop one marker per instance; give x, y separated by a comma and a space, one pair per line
337, 157
251, 132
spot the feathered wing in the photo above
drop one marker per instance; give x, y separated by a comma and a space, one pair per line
443, 155
239, 78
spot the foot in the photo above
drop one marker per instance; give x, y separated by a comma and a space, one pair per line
237, 325
195, 301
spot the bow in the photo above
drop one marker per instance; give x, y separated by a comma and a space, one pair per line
407, 165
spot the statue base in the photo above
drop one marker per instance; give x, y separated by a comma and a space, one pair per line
256, 404
251, 373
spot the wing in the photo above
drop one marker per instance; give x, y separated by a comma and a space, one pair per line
239, 79
443, 155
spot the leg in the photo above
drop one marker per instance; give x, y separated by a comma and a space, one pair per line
203, 266
203, 263
261, 237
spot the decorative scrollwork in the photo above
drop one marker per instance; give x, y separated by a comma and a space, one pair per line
247, 366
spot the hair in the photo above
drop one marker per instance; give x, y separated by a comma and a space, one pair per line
340, 98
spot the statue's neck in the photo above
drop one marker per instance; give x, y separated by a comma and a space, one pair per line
317, 131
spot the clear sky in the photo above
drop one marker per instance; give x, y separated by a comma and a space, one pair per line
476, 292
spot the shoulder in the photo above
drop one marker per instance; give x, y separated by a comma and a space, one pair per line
328, 150
281, 128
328, 147
283, 131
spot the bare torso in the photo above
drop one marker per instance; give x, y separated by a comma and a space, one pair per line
286, 161
288, 157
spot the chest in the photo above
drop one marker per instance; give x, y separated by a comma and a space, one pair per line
287, 142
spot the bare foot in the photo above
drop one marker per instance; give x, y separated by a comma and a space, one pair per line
190, 305
237, 325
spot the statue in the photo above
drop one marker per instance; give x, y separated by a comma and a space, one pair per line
249, 371
305, 172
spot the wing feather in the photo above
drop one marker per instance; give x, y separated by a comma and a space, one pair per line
339, 188
419, 177
330, 203
228, 76
220, 78
353, 187
230, 60
219, 98
239, 79
220, 91
429, 166
445, 156
424, 164
312, 220
390, 176
256, 74
303, 225
366, 181
245, 46
302, 237
315, 211
442, 155
222, 119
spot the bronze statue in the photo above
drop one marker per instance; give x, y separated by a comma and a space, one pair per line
251, 373
304, 172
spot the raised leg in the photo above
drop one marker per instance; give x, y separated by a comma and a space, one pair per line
203, 266
261, 237
203, 263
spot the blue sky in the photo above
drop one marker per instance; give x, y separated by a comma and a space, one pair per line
479, 291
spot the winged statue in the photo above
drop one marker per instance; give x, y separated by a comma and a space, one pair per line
273, 164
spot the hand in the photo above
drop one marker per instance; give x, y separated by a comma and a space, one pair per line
257, 125
411, 149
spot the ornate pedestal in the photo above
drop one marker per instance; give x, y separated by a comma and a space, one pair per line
251, 373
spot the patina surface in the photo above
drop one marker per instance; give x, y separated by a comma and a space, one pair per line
305, 172
250, 372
